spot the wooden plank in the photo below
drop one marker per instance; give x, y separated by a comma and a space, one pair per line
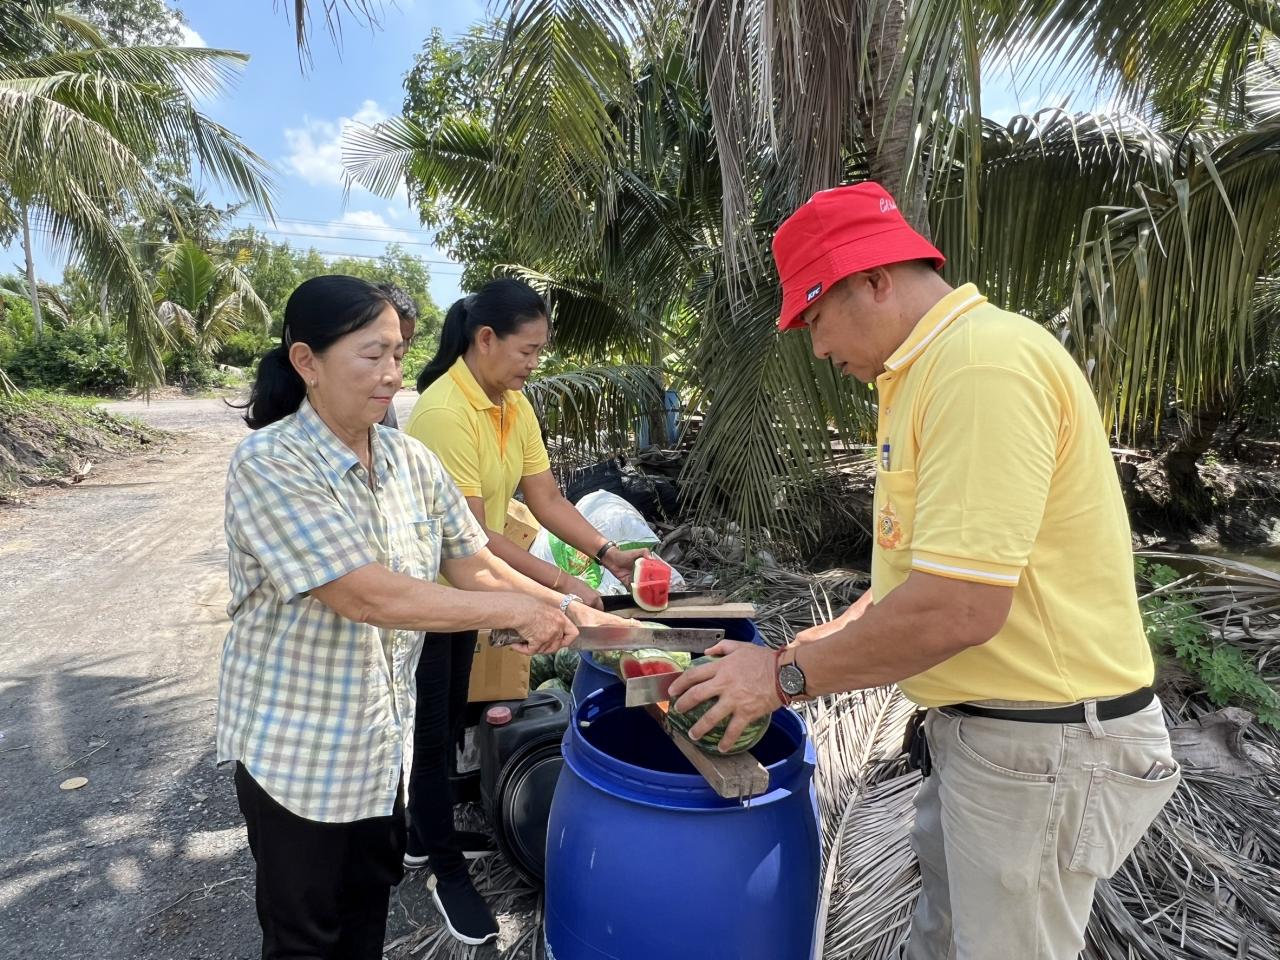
736, 777
718, 611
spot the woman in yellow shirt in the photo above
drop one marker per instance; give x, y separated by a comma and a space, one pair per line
473, 415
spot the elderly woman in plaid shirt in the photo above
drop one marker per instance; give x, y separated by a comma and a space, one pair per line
337, 530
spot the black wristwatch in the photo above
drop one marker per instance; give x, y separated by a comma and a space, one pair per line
603, 551
791, 679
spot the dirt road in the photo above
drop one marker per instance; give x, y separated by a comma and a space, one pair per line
113, 602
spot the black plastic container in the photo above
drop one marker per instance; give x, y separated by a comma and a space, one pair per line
519, 744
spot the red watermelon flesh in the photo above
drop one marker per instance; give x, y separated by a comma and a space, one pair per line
651, 584
645, 666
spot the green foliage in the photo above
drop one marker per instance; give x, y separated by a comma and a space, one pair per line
187, 366
244, 348
76, 359
1175, 629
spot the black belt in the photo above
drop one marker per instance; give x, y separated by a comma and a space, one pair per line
1107, 710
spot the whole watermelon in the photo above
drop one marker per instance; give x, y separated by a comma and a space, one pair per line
554, 683
542, 667
607, 659
567, 665
710, 742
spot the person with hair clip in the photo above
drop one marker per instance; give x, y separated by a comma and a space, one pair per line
473, 415
337, 531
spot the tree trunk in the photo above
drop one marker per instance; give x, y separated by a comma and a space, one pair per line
887, 129
32, 290
1189, 499
102, 310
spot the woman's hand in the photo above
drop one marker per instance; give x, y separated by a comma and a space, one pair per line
544, 628
621, 562
581, 588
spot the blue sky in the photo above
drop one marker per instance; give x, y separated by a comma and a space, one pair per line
294, 119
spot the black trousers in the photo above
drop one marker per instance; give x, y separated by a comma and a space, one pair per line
444, 673
322, 888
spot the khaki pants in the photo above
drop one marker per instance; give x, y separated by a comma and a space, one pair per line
1020, 820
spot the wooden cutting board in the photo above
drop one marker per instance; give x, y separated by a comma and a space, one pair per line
718, 611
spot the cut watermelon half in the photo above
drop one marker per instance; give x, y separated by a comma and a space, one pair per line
651, 584
644, 663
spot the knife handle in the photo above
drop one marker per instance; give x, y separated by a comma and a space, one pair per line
504, 638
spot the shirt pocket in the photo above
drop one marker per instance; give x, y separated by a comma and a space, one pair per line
420, 547
895, 509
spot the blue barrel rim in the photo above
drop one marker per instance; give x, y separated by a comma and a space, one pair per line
689, 791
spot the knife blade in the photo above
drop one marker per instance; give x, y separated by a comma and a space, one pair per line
651, 689
684, 639
681, 598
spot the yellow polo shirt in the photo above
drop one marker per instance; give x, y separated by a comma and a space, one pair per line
993, 466
487, 448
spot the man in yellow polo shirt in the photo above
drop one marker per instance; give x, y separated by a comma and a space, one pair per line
1002, 593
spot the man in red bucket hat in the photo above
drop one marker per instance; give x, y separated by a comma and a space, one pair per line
1002, 596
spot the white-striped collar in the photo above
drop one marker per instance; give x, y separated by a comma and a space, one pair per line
940, 316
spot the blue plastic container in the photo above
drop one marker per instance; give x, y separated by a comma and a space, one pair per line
644, 860
591, 677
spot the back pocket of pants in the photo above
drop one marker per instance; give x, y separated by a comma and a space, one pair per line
1117, 812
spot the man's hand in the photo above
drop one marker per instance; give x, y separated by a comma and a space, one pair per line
744, 682
544, 628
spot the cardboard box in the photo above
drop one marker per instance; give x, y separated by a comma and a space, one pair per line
498, 674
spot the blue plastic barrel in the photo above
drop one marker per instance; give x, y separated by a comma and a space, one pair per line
644, 860
591, 677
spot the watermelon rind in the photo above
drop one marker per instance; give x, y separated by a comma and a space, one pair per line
554, 683
710, 742
542, 667
567, 665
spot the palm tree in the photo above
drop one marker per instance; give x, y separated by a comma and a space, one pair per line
661, 177
202, 299
81, 122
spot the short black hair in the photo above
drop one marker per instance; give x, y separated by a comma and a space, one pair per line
405, 305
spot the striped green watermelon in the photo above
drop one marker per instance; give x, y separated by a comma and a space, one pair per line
542, 667
710, 742
607, 659
555, 683
567, 665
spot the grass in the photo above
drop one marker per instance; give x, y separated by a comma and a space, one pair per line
46, 437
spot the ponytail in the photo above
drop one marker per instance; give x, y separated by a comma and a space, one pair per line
277, 391
320, 312
453, 344
503, 305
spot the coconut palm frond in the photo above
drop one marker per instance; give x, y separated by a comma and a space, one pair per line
590, 319
873, 881
1168, 287
1027, 236
250, 307
82, 121
596, 408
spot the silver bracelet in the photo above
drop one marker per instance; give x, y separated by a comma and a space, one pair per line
567, 599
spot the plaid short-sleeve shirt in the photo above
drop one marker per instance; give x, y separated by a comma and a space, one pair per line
318, 708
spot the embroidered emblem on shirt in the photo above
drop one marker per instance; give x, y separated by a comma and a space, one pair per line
888, 527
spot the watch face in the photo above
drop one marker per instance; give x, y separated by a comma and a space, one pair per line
792, 679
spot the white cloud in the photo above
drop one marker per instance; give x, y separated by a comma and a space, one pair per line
315, 148
189, 37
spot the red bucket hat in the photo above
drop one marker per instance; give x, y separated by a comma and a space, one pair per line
839, 232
